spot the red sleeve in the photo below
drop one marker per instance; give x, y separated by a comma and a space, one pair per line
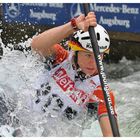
102, 107
60, 53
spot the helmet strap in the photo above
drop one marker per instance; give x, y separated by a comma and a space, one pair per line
79, 74
76, 59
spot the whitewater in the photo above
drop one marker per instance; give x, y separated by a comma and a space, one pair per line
20, 69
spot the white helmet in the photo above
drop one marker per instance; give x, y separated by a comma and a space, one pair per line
81, 40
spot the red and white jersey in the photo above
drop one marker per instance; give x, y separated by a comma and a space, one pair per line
58, 91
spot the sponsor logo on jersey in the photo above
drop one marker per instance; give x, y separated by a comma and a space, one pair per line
67, 85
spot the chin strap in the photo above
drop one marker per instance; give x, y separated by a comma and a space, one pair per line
79, 74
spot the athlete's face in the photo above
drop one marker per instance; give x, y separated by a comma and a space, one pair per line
86, 61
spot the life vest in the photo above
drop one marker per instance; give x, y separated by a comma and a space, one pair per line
57, 90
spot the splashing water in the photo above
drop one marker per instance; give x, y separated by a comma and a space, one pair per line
18, 72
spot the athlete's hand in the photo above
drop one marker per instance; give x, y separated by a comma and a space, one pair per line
83, 22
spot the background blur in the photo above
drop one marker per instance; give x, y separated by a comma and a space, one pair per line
21, 21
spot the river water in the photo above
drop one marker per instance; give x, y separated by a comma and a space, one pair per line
18, 72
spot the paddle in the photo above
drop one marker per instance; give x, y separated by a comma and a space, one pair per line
102, 76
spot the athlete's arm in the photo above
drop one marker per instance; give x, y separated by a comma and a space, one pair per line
105, 126
102, 111
44, 42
